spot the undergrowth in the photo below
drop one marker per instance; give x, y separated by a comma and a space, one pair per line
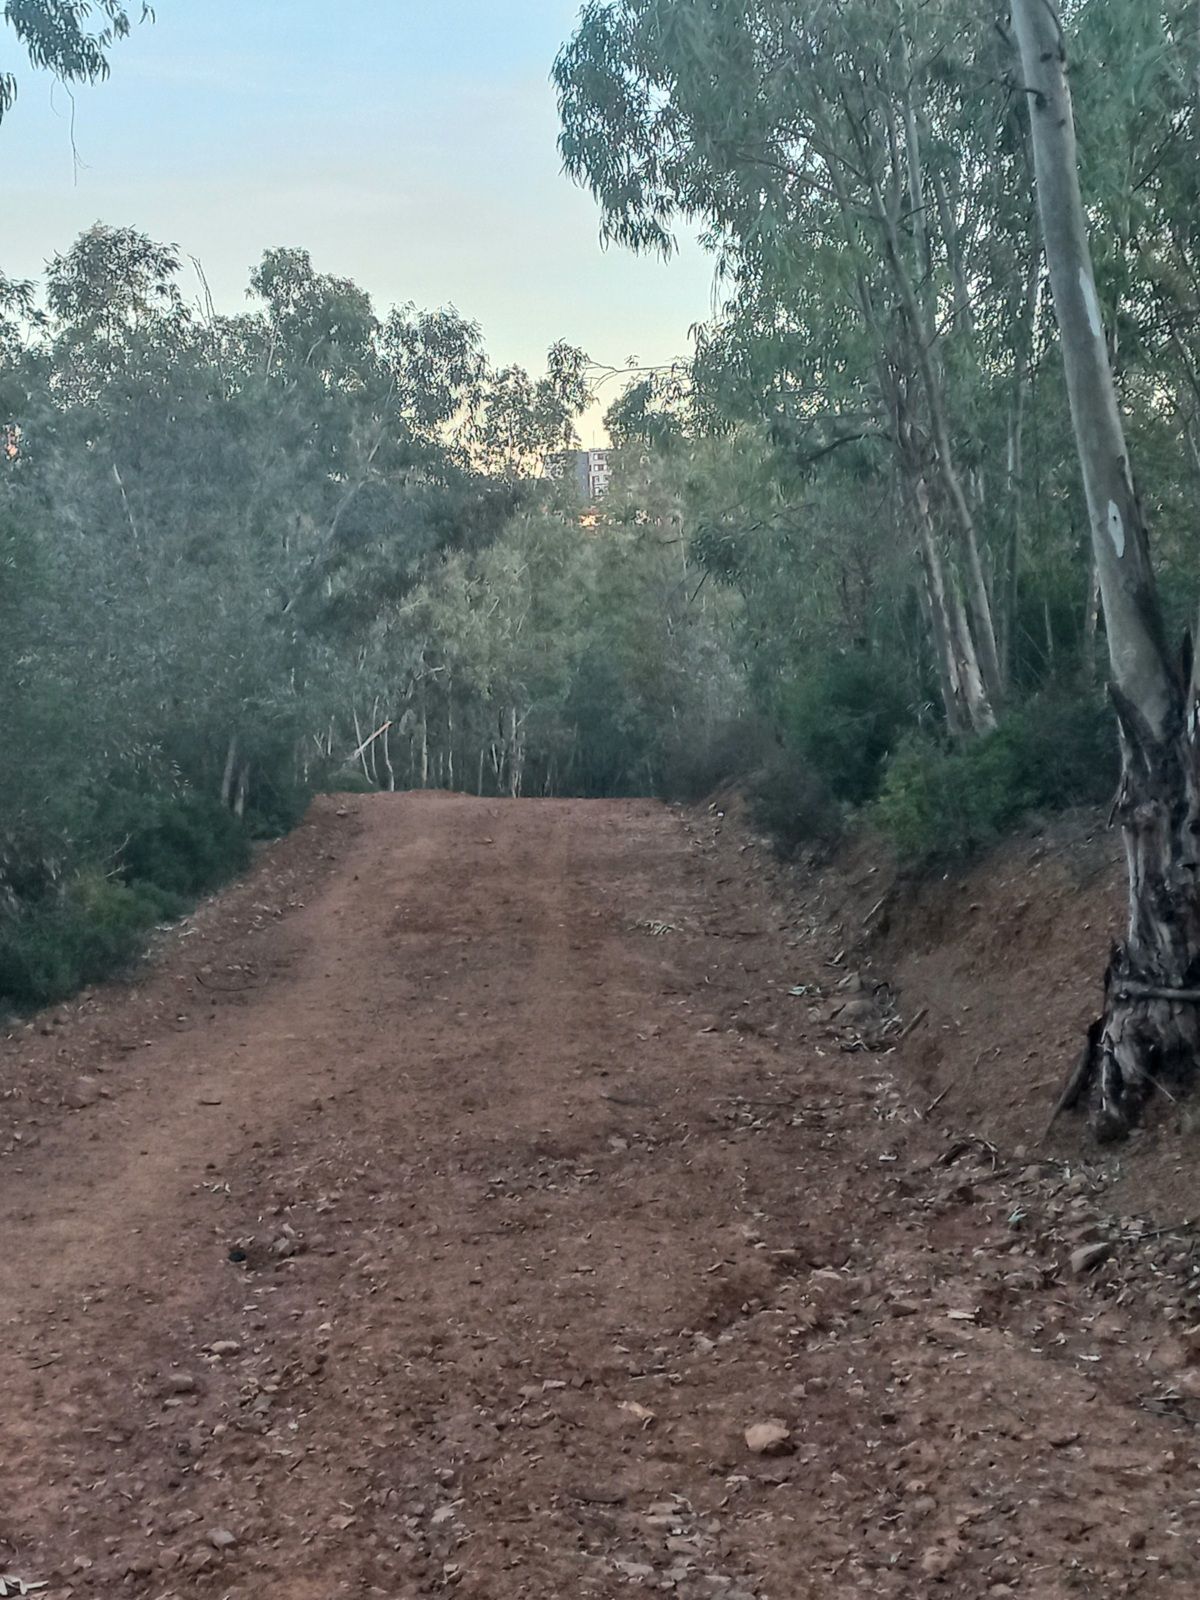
942, 802
87, 915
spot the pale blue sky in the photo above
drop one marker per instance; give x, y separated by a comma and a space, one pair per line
409, 144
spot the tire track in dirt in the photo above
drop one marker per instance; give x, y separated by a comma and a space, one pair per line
540, 1209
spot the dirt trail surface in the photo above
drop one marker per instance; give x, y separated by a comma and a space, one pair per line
444, 1206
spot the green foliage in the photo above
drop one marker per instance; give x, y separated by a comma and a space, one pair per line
792, 803
87, 931
184, 844
844, 718
57, 38
877, 414
943, 802
218, 535
234, 549
60, 931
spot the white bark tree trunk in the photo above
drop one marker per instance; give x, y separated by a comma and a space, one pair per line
230, 769
1150, 1029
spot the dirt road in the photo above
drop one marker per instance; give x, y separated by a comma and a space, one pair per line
444, 1206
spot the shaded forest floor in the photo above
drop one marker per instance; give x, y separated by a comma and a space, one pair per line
544, 1199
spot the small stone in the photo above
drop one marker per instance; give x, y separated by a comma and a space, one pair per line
770, 1438
180, 1383
1088, 1257
82, 1093
221, 1539
224, 1347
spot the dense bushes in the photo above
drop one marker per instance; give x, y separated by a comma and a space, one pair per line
846, 744
844, 717
88, 929
74, 922
791, 800
183, 843
942, 801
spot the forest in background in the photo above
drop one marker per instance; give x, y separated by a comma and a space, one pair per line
845, 562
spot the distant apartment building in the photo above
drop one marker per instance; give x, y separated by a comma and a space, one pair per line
590, 471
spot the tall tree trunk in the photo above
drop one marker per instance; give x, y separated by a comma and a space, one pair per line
516, 754
949, 651
1150, 1028
358, 740
230, 769
424, 727
241, 790
387, 759
963, 314
922, 336
968, 709
964, 694
1015, 463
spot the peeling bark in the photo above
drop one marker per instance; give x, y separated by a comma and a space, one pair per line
1151, 1025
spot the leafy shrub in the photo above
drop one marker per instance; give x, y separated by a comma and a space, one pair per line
939, 802
168, 848
183, 843
275, 809
844, 717
92, 928
791, 801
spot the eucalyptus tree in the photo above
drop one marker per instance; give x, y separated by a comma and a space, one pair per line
226, 506
1150, 1028
519, 422
858, 213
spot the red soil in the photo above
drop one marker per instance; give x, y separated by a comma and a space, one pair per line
449, 1198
